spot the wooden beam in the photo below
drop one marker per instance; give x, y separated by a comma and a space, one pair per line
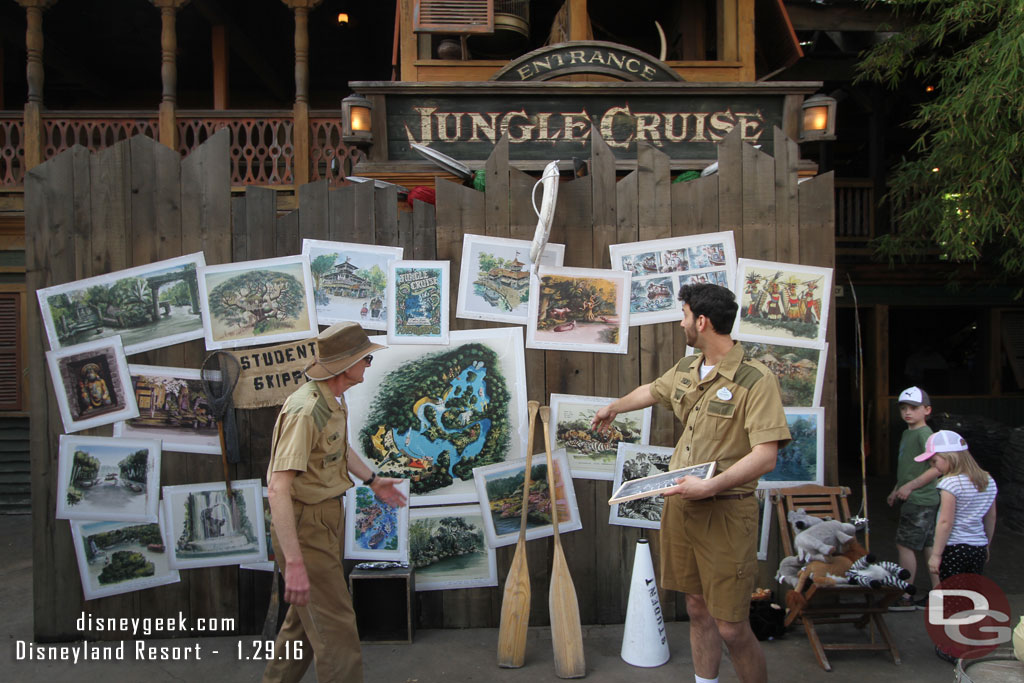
220, 50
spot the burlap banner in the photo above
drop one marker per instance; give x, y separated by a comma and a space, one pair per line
269, 375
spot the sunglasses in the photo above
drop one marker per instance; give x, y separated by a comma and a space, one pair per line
368, 358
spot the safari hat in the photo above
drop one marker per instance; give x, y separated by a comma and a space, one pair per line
338, 348
914, 396
942, 441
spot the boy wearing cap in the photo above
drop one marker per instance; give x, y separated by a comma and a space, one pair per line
310, 462
915, 487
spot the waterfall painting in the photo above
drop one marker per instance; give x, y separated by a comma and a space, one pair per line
204, 527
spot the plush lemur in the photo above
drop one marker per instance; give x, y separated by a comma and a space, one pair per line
789, 570
800, 520
869, 571
818, 541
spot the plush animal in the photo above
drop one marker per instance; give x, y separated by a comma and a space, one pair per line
818, 541
869, 571
799, 520
789, 570
830, 572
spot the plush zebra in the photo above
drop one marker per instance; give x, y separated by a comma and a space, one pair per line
869, 571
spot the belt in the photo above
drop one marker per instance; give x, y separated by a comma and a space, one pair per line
733, 496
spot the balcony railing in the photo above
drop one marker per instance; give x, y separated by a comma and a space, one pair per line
262, 152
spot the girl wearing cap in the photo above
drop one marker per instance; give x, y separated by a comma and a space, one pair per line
967, 507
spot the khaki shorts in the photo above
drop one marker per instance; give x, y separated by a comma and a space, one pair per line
709, 548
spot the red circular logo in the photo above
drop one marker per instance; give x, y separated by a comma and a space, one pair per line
968, 616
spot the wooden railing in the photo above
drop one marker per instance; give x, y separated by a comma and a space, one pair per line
855, 209
261, 141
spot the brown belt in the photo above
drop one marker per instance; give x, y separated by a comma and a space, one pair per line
733, 496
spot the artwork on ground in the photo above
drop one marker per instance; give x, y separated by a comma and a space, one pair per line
417, 302
764, 524
350, 281
802, 460
782, 302
635, 461
172, 408
579, 309
430, 415
203, 527
448, 550
800, 370
660, 267
92, 385
267, 566
111, 479
500, 491
592, 455
149, 306
257, 302
120, 557
375, 530
494, 281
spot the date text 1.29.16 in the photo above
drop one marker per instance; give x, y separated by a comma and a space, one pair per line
265, 649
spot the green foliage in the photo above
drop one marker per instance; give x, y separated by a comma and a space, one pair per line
177, 294
972, 130
125, 565
135, 466
377, 278
321, 265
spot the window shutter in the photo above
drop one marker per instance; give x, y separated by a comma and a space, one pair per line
453, 16
10, 351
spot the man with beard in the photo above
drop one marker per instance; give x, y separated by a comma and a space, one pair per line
731, 411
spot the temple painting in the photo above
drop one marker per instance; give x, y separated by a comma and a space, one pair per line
350, 281
173, 408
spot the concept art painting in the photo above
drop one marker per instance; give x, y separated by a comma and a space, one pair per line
782, 302
579, 309
350, 281
417, 301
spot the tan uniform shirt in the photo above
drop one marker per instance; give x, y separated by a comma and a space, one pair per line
736, 407
311, 436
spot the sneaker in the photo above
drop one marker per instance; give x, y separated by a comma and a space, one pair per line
903, 605
945, 656
922, 602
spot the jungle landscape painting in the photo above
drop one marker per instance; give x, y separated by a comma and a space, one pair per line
149, 307
592, 454
801, 461
119, 557
578, 311
448, 550
350, 281
110, 479
173, 408
797, 368
495, 278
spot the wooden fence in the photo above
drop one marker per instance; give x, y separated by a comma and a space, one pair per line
138, 202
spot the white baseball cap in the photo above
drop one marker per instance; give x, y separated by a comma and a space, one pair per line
915, 396
942, 441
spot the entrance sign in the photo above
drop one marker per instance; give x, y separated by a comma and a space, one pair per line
587, 57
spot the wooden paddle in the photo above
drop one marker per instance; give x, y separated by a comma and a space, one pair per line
566, 633
515, 603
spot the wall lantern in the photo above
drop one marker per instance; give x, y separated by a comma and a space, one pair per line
356, 113
819, 118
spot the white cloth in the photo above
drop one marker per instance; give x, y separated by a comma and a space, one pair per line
705, 370
971, 506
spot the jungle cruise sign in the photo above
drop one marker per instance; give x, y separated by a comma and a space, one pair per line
553, 120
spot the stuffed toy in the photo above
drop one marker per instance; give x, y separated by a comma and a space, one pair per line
800, 520
818, 541
868, 571
830, 572
789, 570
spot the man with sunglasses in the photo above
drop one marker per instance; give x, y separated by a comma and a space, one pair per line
310, 463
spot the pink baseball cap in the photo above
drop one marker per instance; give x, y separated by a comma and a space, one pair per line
942, 441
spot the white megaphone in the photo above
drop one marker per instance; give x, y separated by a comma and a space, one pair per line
644, 640
545, 214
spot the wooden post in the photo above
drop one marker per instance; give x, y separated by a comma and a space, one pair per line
300, 115
168, 124
219, 41
34, 142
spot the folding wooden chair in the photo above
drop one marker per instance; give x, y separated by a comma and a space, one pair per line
839, 604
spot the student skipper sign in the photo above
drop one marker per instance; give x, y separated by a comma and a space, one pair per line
554, 119
269, 375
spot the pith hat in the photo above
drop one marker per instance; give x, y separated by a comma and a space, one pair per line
338, 348
942, 441
915, 396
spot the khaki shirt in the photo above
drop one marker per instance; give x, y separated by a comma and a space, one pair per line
736, 407
311, 436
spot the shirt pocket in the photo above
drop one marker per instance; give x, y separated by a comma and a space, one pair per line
720, 414
332, 444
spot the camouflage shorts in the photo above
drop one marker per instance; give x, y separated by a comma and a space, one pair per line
917, 525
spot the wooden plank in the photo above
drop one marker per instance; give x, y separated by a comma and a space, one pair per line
313, 212
627, 229
496, 202
458, 209
341, 213
787, 156
110, 206
424, 230
206, 199
406, 236
758, 204
385, 206
365, 215
239, 234
730, 187
286, 234
260, 216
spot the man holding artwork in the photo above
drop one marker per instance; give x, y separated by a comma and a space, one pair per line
731, 411
310, 462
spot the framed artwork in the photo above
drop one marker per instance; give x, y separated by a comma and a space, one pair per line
120, 557
592, 455
764, 505
172, 408
375, 530
116, 480
635, 461
500, 490
203, 527
782, 302
418, 302
350, 281
431, 415
268, 565
579, 309
802, 460
799, 369
149, 306
448, 549
257, 302
92, 384
494, 281
660, 267
656, 484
